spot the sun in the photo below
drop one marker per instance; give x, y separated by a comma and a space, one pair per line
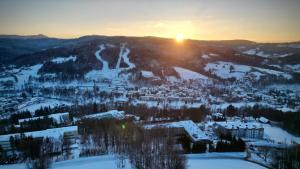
179, 37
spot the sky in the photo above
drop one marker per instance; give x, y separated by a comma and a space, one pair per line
257, 20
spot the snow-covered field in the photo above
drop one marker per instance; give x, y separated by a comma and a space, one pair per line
279, 135
226, 70
110, 162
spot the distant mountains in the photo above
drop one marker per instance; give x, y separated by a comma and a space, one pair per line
158, 55
39, 36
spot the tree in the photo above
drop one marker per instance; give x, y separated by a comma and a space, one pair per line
231, 111
186, 143
199, 147
66, 147
288, 158
44, 161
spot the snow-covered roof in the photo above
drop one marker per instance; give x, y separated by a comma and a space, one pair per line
55, 116
147, 74
263, 120
53, 133
110, 114
240, 125
189, 126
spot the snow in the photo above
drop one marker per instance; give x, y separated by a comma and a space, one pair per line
106, 72
10, 78
262, 54
221, 163
239, 125
105, 67
274, 72
57, 117
60, 60
110, 114
29, 119
226, 70
223, 70
53, 133
205, 56
124, 54
103, 162
147, 74
263, 120
279, 135
186, 74
36, 103
250, 52
294, 68
214, 155
297, 46
189, 126
257, 52
24, 74
110, 162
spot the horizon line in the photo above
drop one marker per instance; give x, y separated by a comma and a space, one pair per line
79, 36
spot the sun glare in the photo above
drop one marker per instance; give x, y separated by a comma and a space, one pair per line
179, 37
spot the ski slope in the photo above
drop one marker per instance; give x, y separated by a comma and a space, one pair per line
186, 74
98, 56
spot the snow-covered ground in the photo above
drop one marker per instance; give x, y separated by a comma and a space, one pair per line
36, 103
147, 74
186, 74
263, 54
103, 162
111, 162
226, 70
24, 74
279, 135
221, 164
60, 60
106, 72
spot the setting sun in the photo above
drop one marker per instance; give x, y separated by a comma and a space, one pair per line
179, 37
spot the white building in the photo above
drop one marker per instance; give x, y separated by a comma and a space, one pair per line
241, 129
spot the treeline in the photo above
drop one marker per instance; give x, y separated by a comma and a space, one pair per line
38, 153
145, 149
230, 143
226, 144
146, 113
288, 158
289, 121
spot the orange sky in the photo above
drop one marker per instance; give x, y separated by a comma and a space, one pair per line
257, 20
